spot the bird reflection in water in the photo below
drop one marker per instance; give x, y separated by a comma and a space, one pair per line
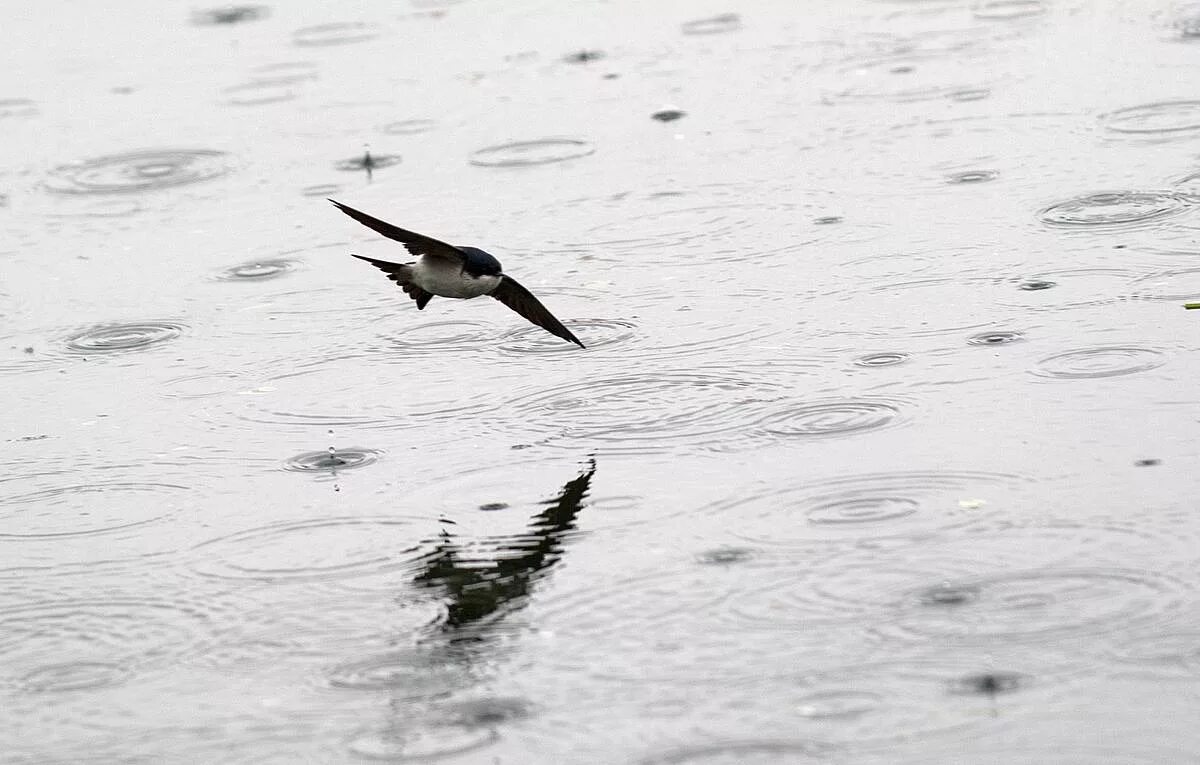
479, 589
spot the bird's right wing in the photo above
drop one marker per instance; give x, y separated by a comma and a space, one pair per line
512, 294
417, 244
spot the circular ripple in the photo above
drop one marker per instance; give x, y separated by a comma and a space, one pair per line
410, 674
861, 506
139, 171
376, 162
404, 744
341, 33
1155, 119
738, 752
1105, 361
267, 90
438, 337
313, 550
972, 176
885, 359
1114, 208
1180, 284
17, 107
644, 412
525, 153
85, 509
1004, 10
97, 640
1041, 604
409, 127
713, 25
995, 338
115, 338
230, 14
595, 333
831, 418
331, 460
73, 676
257, 270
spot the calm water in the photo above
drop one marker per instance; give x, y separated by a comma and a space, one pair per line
883, 449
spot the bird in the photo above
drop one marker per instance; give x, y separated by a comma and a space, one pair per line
446, 270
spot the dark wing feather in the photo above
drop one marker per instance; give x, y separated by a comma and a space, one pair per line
417, 244
401, 274
512, 294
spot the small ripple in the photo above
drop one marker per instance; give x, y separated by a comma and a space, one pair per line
1114, 208
320, 549
374, 161
972, 176
100, 208
321, 190
883, 359
904, 78
409, 127
338, 33
145, 170
420, 744
257, 270
1104, 361
595, 333
85, 509
870, 505
117, 338
713, 25
652, 412
331, 460
995, 338
749, 752
1007, 10
264, 90
100, 641
1178, 284
989, 683
830, 418
73, 676
230, 14
453, 335
1157, 119
11, 108
1064, 289
525, 153
1173, 653
411, 674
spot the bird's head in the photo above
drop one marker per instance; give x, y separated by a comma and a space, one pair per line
479, 263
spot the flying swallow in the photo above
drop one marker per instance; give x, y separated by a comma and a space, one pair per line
455, 272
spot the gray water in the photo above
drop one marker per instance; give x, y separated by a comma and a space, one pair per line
883, 448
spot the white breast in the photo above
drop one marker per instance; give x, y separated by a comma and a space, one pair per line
445, 280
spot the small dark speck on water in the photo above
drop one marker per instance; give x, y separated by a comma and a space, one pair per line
28, 349
1034, 285
1151, 462
583, 56
989, 683
518, 447
611, 76
490, 506
828, 219
668, 115
1119, 246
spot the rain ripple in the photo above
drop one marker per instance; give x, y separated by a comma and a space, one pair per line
1162, 119
17, 107
146, 170
871, 505
338, 33
257, 270
1105, 361
719, 24
1114, 209
527, 153
671, 410
330, 461
85, 509
595, 333
116, 338
1007, 10
320, 549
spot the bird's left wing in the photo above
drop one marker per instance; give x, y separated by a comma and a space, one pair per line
512, 294
417, 244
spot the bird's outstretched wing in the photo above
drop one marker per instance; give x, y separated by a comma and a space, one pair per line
512, 294
417, 244
401, 274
